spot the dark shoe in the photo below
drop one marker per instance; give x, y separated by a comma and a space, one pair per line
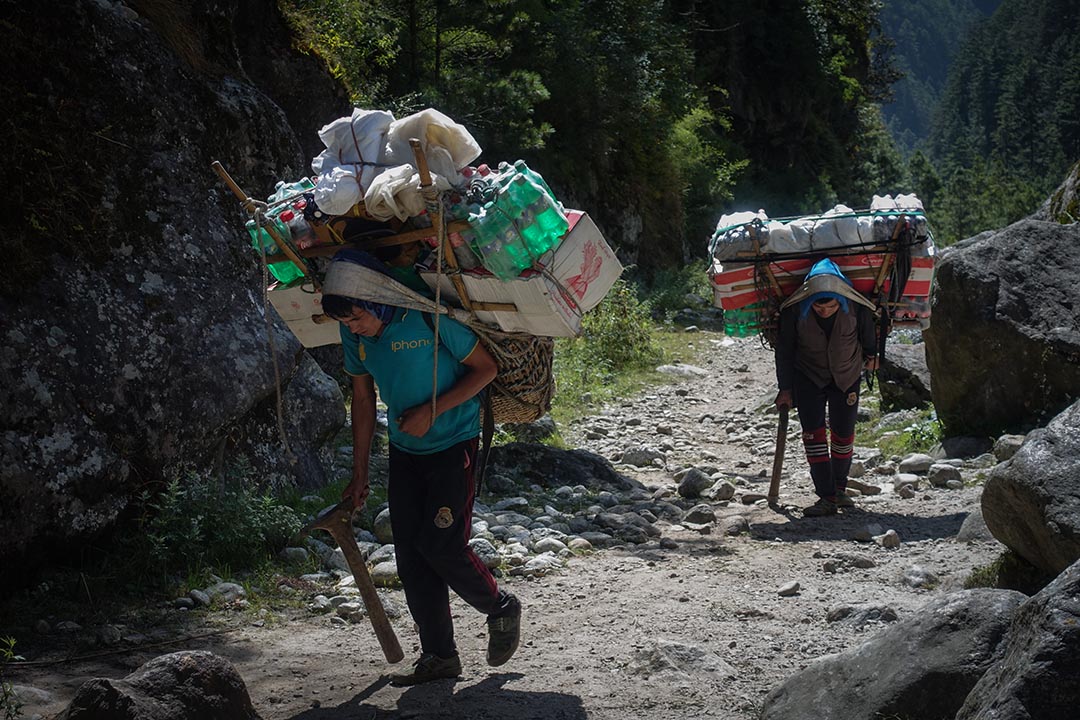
504, 632
843, 500
823, 507
429, 667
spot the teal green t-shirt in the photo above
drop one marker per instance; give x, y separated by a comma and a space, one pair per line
400, 362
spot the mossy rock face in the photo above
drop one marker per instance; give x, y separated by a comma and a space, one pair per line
1064, 205
134, 342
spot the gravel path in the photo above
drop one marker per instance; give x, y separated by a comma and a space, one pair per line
695, 626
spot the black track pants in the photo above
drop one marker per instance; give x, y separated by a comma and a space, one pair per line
431, 503
829, 458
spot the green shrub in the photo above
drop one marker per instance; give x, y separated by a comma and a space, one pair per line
669, 288
617, 337
201, 523
905, 437
9, 703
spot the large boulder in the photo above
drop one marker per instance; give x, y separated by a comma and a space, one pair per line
1038, 676
549, 467
922, 667
904, 379
1004, 346
179, 686
1032, 502
135, 344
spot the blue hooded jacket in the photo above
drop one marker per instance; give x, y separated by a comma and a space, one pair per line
824, 267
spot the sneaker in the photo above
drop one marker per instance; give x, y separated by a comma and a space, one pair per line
824, 506
504, 632
843, 500
429, 667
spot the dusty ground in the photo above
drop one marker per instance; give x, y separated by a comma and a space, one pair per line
695, 631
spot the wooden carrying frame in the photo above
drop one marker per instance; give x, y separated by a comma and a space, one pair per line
522, 390
330, 230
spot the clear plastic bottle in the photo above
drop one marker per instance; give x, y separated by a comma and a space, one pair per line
283, 189
545, 212
536, 177
303, 235
496, 243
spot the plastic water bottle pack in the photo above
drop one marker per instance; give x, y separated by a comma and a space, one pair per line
518, 221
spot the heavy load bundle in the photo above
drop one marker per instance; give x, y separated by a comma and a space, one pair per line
887, 251
495, 245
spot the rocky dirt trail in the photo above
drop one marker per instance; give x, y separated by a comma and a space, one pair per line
685, 625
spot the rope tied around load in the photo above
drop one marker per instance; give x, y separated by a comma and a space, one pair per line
257, 209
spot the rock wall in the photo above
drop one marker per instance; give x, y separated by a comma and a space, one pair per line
134, 333
1004, 345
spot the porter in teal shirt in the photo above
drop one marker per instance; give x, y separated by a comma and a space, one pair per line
400, 362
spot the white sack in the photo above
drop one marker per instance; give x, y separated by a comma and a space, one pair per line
834, 230
355, 147
337, 191
396, 193
781, 239
447, 145
740, 218
901, 202
909, 202
355, 139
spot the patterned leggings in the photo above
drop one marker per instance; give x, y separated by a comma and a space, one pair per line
828, 466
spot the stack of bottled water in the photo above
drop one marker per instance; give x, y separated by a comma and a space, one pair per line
513, 218
744, 321
288, 221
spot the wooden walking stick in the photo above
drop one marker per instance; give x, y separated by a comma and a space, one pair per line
778, 459
338, 522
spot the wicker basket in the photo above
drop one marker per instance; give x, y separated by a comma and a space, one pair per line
522, 390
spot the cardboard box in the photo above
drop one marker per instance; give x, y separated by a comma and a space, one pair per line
568, 282
296, 306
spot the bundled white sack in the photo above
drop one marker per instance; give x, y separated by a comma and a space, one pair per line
447, 145
741, 218
337, 191
838, 227
781, 239
911, 205
901, 202
359, 139
355, 148
731, 236
396, 193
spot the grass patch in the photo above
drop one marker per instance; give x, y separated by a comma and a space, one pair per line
985, 576
203, 522
910, 432
617, 340
1009, 571
583, 387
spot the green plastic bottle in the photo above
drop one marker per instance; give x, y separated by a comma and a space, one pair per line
284, 270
